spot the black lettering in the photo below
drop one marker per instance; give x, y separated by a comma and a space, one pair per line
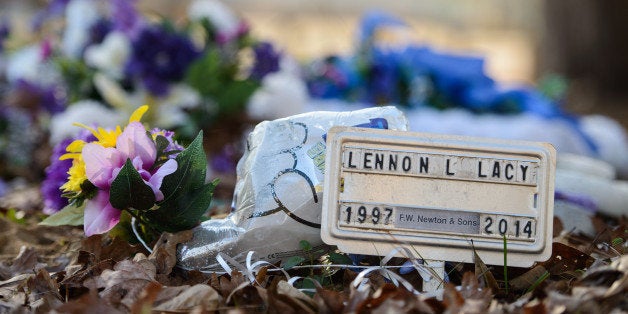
406, 164
367, 160
423, 164
506, 173
523, 172
392, 162
447, 172
496, 169
480, 174
350, 164
379, 161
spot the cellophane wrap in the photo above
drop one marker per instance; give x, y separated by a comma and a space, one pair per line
278, 195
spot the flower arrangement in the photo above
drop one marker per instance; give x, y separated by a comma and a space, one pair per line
105, 57
132, 171
388, 68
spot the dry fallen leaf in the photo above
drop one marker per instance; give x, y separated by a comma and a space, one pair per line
25, 262
470, 299
88, 303
329, 301
283, 298
186, 298
122, 285
43, 291
164, 254
144, 302
103, 247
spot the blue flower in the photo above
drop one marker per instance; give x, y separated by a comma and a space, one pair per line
335, 77
384, 80
374, 20
266, 60
160, 57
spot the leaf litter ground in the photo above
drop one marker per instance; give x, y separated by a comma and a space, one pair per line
57, 269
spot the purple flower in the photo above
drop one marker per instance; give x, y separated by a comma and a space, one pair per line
4, 188
266, 60
102, 165
98, 31
225, 160
5, 31
172, 144
125, 16
56, 175
159, 57
55, 8
34, 96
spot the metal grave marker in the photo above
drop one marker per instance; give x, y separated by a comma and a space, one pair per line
436, 193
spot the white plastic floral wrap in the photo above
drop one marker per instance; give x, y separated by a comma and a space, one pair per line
277, 197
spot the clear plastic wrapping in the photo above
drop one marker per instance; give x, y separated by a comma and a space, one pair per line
278, 194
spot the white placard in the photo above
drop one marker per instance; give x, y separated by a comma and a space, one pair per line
436, 194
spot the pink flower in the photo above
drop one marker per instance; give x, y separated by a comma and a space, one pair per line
102, 165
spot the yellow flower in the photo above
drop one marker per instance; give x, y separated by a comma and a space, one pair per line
76, 176
104, 137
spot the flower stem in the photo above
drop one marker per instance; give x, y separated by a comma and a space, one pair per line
143, 222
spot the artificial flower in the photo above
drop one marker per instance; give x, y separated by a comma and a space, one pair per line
160, 57
99, 159
102, 165
266, 60
110, 56
87, 112
5, 31
105, 138
125, 17
56, 176
227, 24
80, 16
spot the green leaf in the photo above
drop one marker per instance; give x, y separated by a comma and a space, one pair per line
123, 229
186, 195
203, 74
293, 261
305, 245
234, 95
190, 173
71, 215
161, 142
128, 190
337, 258
191, 206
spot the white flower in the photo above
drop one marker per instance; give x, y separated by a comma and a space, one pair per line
24, 64
219, 15
110, 56
88, 112
27, 64
80, 15
113, 93
171, 110
282, 94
